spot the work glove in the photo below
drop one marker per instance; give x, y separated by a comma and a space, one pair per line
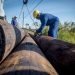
37, 34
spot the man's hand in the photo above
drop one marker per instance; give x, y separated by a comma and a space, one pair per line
35, 34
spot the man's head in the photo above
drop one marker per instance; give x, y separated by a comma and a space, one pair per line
36, 13
14, 17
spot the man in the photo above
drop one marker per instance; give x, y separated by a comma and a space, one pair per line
14, 21
2, 13
47, 20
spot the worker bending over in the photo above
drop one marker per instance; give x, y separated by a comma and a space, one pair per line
47, 20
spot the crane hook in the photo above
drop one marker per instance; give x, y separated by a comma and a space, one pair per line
25, 1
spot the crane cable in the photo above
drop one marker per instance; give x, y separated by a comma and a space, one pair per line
34, 7
21, 10
32, 10
24, 3
30, 14
37, 4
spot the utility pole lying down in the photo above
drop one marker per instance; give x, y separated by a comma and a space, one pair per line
61, 54
10, 37
20, 55
27, 59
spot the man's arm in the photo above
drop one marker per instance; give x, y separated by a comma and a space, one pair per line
43, 24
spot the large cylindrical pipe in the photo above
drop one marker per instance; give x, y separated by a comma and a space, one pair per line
27, 59
60, 53
10, 36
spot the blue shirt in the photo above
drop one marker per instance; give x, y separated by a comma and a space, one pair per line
14, 22
46, 20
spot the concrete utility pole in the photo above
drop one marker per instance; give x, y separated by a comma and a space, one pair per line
23, 20
24, 3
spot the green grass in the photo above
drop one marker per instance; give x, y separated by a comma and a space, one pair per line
64, 35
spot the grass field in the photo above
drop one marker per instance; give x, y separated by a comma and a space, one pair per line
64, 34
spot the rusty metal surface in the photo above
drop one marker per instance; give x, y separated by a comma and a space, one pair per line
27, 59
9, 37
61, 54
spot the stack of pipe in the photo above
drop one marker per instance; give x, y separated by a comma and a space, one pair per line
27, 59
61, 54
20, 54
10, 36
